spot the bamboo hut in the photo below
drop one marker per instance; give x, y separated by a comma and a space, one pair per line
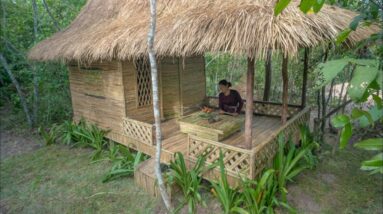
105, 49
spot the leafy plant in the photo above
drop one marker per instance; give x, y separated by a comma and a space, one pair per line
188, 180
229, 198
288, 164
49, 135
124, 165
307, 141
259, 196
366, 83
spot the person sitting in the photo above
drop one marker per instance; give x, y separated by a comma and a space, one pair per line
230, 102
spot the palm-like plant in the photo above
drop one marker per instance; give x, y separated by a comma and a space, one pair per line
287, 162
230, 198
188, 180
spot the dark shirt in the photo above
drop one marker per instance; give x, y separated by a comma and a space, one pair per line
231, 103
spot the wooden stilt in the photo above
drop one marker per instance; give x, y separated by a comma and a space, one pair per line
285, 95
249, 101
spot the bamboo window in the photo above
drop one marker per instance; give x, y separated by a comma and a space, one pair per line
144, 90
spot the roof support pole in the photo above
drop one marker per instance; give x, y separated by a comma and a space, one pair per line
305, 73
249, 102
268, 73
285, 95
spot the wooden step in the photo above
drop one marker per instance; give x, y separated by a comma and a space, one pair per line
145, 177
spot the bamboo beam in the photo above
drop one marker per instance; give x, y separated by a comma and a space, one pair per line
285, 95
305, 72
268, 74
249, 103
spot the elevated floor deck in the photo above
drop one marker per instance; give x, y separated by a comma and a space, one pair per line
239, 161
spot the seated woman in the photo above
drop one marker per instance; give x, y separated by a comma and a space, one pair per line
230, 102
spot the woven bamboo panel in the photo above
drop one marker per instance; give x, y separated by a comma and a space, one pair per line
265, 155
140, 131
144, 87
236, 160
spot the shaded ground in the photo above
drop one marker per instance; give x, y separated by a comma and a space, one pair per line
337, 185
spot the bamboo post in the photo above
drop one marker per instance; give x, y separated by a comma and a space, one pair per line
285, 89
268, 73
249, 102
305, 72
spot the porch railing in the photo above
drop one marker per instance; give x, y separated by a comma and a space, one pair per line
236, 160
246, 162
139, 131
262, 107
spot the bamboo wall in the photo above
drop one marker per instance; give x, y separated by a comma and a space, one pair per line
169, 72
106, 92
193, 83
97, 93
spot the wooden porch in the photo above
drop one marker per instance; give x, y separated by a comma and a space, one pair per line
239, 160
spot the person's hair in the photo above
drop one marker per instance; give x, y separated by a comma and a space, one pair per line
225, 83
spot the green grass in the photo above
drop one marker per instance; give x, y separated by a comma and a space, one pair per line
57, 179
337, 185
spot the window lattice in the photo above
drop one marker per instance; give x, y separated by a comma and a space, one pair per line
144, 88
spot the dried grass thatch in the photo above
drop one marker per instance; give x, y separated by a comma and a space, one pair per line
118, 29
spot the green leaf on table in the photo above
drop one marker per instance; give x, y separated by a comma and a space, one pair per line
340, 121
374, 144
345, 135
363, 76
280, 6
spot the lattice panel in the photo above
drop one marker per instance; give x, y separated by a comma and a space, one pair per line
274, 110
270, 109
144, 87
266, 155
236, 162
140, 131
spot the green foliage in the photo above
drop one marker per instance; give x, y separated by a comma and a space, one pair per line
366, 71
280, 6
188, 180
375, 164
288, 162
124, 163
50, 80
49, 135
229, 198
365, 84
260, 196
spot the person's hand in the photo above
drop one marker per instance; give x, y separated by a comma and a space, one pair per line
235, 114
221, 111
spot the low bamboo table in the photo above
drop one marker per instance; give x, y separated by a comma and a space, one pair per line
196, 125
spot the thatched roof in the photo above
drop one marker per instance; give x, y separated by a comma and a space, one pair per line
118, 29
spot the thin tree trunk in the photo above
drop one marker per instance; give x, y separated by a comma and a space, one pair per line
35, 75
268, 76
18, 89
156, 107
249, 102
51, 15
305, 73
285, 95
